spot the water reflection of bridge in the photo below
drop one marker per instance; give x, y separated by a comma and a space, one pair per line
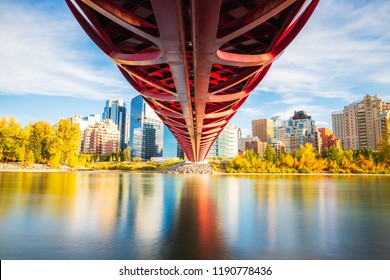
194, 62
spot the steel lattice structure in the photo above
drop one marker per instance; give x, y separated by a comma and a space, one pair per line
193, 61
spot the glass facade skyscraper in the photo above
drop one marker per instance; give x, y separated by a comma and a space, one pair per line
116, 111
171, 147
148, 139
146, 130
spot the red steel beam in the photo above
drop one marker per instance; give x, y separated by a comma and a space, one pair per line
193, 61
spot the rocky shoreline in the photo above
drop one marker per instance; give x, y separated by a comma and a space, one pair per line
14, 166
19, 166
189, 168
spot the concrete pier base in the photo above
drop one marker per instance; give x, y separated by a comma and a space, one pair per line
189, 167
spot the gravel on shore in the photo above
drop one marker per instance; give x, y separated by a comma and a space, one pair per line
189, 168
19, 166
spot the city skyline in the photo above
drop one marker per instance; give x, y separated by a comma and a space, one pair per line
48, 61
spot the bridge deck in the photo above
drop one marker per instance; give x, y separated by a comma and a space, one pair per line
193, 61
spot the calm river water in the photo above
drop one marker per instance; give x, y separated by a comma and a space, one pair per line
156, 216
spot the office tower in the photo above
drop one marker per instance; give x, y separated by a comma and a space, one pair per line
101, 138
171, 148
361, 122
300, 130
116, 111
148, 139
180, 151
263, 129
146, 130
226, 145
277, 123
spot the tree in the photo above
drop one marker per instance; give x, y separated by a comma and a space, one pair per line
13, 140
250, 155
67, 142
288, 161
308, 161
384, 145
41, 139
126, 154
270, 155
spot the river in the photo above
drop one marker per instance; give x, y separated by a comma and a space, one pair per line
87, 215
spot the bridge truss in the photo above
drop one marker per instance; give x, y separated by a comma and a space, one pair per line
193, 61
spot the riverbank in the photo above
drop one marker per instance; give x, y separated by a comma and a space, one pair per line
15, 167
145, 167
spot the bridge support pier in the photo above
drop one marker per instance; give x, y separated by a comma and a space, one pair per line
189, 167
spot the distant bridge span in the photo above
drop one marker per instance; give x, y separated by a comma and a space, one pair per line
193, 61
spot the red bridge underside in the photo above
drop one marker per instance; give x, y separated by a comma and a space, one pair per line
193, 61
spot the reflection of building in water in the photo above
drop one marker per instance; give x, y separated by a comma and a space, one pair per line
327, 217
269, 195
96, 203
148, 212
228, 202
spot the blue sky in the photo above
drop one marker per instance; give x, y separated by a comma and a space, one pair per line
50, 69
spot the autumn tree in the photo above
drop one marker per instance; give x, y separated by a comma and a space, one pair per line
66, 144
270, 154
308, 161
384, 145
13, 140
41, 141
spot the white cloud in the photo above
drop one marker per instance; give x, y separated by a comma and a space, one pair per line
342, 54
342, 47
47, 53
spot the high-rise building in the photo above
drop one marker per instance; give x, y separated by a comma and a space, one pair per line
263, 129
116, 111
226, 145
148, 139
257, 146
383, 124
84, 123
369, 110
278, 146
338, 124
360, 123
171, 148
146, 130
277, 123
241, 142
101, 138
300, 130
328, 139
351, 138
